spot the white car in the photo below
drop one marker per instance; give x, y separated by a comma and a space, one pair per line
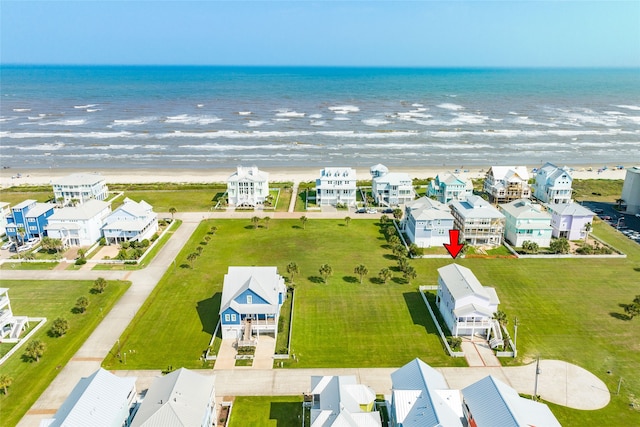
24, 247
7, 245
32, 241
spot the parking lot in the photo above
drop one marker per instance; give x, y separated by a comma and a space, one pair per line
627, 224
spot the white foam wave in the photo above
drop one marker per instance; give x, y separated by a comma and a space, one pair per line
375, 122
318, 122
200, 105
344, 109
315, 116
450, 106
112, 147
6, 119
186, 119
289, 114
628, 107
228, 147
341, 118
281, 120
255, 123
22, 110
47, 146
84, 107
244, 113
133, 122
92, 110
417, 105
68, 122
74, 135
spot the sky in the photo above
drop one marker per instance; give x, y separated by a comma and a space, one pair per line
400, 33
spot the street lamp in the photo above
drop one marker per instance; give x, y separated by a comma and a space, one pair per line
538, 372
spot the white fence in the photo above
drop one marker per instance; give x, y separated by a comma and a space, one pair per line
42, 321
435, 321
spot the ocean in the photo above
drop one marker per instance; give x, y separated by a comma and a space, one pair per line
119, 117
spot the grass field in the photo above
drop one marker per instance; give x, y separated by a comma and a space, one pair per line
266, 411
49, 299
568, 309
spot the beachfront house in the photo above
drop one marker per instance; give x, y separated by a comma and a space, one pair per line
504, 184
180, 398
466, 306
131, 221
101, 399
390, 188
421, 398
526, 221
489, 402
449, 187
251, 301
79, 225
336, 186
569, 220
631, 190
427, 222
28, 220
479, 222
553, 184
78, 188
341, 402
5, 211
10, 326
247, 187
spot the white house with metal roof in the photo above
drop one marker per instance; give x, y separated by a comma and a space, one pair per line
182, 398
79, 225
251, 301
421, 398
526, 221
390, 188
631, 190
479, 222
490, 402
427, 222
449, 187
569, 220
247, 186
339, 401
5, 211
11, 327
131, 221
336, 185
504, 184
553, 184
466, 306
80, 187
101, 399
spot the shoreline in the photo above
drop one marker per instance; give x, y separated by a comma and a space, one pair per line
9, 177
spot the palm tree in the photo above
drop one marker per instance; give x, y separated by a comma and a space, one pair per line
266, 220
82, 253
207, 239
403, 264
384, 275
393, 241
21, 232
325, 271
82, 303
199, 250
255, 220
191, 257
347, 220
304, 220
172, 211
213, 229
409, 273
397, 214
35, 350
399, 251
361, 271
99, 285
292, 269
587, 229
560, 246
5, 383
501, 317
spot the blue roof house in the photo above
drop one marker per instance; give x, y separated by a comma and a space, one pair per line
251, 301
30, 216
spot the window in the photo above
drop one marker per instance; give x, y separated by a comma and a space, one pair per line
249, 299
227, 317
233, 317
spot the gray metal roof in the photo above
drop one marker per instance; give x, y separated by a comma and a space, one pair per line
524, 209
179, 399
248, 174
87, 210
340, 400
569, 209
461, 282
263, 281
475, 207
424, 209
80, 179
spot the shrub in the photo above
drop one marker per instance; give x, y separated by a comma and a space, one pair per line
102, 241
454, 343
81, 261
125, 245
59, 327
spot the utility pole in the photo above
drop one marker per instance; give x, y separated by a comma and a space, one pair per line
515, 332
619, 384
535, 387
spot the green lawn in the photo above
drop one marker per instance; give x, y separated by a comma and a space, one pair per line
266, 411
28, 266
50, 299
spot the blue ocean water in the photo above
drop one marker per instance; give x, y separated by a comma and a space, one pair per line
220, 117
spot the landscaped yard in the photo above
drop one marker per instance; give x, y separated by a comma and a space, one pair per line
266, 411
50, 299
567, 308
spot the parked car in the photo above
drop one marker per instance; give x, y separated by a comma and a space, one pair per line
7, 245
387, 211
361, 210
605, 217
32, 241
372, 211
24, 247
598, 211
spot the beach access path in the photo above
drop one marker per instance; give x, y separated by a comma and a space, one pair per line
568, 385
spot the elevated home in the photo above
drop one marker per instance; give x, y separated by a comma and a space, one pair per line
421, 398
341, 401
631, 190
181, 398
490, 402
336, 185
5, 211
10, 326
101, 399
390, 188
504, 184
478, 221
79, 188
466, 306
251, 301
248, 187
553, 184
449, 187
526, 221
28, 219
569, 220
79, 225
427, 222
132, 221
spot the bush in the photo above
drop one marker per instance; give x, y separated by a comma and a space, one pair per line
154, 237
454, 343
81, 261
102, 241
125, 245
59, 327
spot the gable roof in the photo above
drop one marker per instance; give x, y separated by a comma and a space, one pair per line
338, 172
450, 179
475, 207
508, 173
263, 281
424, 209
80, 179
181, 398
249, 174
340, 400
569, 209
87, 210
96, 400
552, 172
493, 403
524, 209
461, 282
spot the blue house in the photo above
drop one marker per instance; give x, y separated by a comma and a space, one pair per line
30, 216
251, 301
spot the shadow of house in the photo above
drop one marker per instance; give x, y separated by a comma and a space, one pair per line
418, 311
208, 312
286, 413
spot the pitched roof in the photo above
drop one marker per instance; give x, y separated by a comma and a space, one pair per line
552, 171
80, 179
475, 207
340, 400
509, 172
426, 209
85, 211
493, 403
23, 204
393, 178
461, 282
181, 398
263, 281
249, 174
421, 397
524, 209
96, 400
338, 172
569, 209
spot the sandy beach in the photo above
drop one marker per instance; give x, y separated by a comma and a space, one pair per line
16, 177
